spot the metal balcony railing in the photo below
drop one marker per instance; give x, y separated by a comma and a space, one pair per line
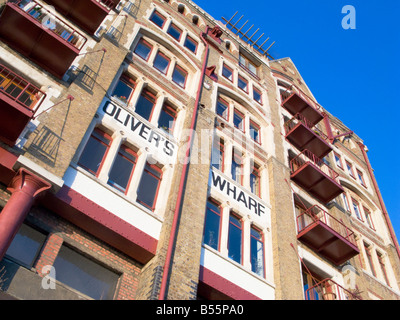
49, 21
329, 290
316, 214
20, 90
307, 156
290, 124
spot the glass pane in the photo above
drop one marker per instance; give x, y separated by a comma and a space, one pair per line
235, 239
238, 121
147, 189
242, 84
174, 32
190, 44
121, 172
161, 63
254, 133
211, 228
222, 110
26, 245
93, 154
179, 77
227, 73
166, 120
143, 50
157, 19
257, 96
253, 69
257, 256
122, 91
85, 275
144, 107
217, 156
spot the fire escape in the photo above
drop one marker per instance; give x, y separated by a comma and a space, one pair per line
316, 228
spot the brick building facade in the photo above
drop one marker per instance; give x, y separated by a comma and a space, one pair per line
146, 152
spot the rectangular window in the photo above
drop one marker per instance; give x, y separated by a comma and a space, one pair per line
257, 252
95, 151
122, 169
369, 259
238, 120
255, 131
212, 225
227, 72
174, 32
236, 168
149, 185
161, 62
85, 275
124, 89
257, 96
179, 76
222, 108
248, 65
191, 44
158, 19
368, 217
356, 209
346, 202
361, 177
143, 49
235, 238
243, 84
350, 169
145, 104
383, 267
338, 160
255, 181
26, 246
167, 118
218, 155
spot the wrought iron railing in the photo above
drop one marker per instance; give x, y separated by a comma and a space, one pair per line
290, 124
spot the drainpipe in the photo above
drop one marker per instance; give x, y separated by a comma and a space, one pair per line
185, 167
385, 214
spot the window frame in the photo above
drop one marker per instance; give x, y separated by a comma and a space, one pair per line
382, 264
350, 169
181, 70
219, 214
193, 41
259, 231
159, 180
231, 224
104, 135
128, 150
146, 44
128, 81
176, 28
155, 12
356, 204
163, 56
258, 127
338, 158
241, 115
258, 91
360, 176
226, 67
221, 152
368, 217
257, 174
368, 252
244, 81
171, 111
226, 104
239, 157
147, 94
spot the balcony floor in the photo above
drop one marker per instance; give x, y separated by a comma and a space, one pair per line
30, 38
303, 138
328, 243
314, 181
295, 104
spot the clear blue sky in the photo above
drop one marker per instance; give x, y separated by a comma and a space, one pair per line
351, 73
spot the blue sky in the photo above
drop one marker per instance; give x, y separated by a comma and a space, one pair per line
351, 73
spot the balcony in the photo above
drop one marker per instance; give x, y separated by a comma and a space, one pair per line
315, 176
326, 235
87, 14
19, 100
33, 31
299, 103
329, 290
302, 134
